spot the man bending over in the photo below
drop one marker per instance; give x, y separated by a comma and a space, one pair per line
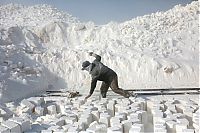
102, 73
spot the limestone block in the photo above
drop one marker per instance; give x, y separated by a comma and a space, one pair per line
115, 129
188, 131
59, 131
12, 126
102, 127
81, 125
93, 128
46, 131
59, 122
196, 126
23, 122
180, 108
4, 129
86, 119
180, 127
39, 110
188, 112
172, 108
105, 119
167, 113
135, 120
160, 130
142, 116
73, 129
157, 116
54, 128
160, 127
70, 120
143, 103
52, 109
66, 127
38, 101
1, 119
111, 108
197, 130
183, 121
136, 128
114, 121
95, 115
121, 115
27, 104
171, 126
126, 125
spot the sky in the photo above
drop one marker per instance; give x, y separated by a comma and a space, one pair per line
103, 11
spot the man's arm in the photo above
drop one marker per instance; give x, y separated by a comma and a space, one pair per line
93, 86
98, 58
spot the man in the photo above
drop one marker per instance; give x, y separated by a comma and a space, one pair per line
102, 73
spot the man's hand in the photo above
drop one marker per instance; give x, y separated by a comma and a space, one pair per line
87, 97
90, 53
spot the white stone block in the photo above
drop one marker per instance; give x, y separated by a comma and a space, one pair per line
95, 115
136, 129
59, 131
172, 108
126, 125
102, 127
188, 131
66, 127
105, 119
157, 115
38, 101
159, 125
1, 119
171, 126
196, 130
93, 124
12, 126
93, 128
46, 131
143, 104
180, 127
180, 108
73, 129
134, 120
81, 126
183, 121
52, 109
196, 126
54, 128
4, 129
2, 112
160, 130
115, 129
121, 115
59, 122
27, 104
86, 119
111, 108
84, 132
114, 121
142, 116
24, 123
39, 110
70, 120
